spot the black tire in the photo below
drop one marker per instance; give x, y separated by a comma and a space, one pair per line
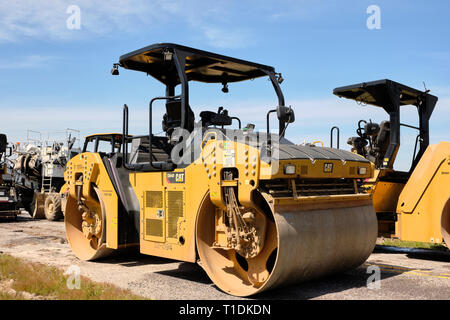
52, 207
25, 201
29, 206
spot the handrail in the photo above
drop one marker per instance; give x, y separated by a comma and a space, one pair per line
331, 136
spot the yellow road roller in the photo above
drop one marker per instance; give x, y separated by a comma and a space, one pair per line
411, 205
254, 210
102, 143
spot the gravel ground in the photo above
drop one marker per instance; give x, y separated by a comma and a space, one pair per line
404, 275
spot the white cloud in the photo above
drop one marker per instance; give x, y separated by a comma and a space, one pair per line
25, 62
47, 19
226, 38
28, 19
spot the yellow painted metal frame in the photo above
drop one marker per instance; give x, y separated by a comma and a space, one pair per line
90, 167
422, 201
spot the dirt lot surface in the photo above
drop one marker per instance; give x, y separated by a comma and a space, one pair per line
404, 275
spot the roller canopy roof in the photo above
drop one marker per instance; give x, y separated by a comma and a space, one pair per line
200, 65
378, 93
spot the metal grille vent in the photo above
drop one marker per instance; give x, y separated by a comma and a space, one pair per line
153, 199
175, 211
154, 227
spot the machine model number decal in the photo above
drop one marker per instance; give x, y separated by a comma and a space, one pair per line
107, 193
175, 177
328, 167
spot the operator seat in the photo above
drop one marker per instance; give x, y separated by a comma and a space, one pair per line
381, 142
383, 138
172, 117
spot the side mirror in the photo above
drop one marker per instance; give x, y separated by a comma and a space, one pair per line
285, 114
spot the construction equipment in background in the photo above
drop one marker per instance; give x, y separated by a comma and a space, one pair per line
39, 172
412, 205
253, 209
8, 196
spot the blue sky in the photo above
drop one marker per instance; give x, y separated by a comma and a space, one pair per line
53, 78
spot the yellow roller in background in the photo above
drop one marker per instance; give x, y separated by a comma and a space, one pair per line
424, 204
411, 205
